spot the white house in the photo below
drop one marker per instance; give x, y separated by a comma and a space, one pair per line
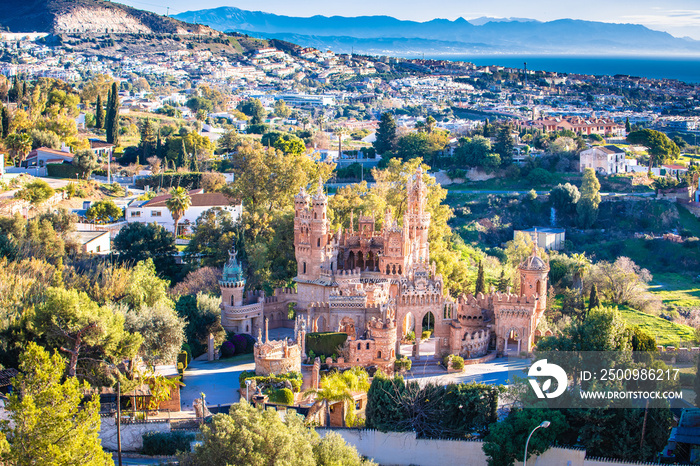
43, 156
546, 237
156, 210
606, 160
94, 242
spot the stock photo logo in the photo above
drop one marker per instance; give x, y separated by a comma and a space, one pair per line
545, 372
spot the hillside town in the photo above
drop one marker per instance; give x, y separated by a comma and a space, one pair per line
217, 249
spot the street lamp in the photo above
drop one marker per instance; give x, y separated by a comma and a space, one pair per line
247, 384
544, 425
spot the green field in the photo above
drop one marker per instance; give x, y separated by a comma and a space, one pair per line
666, 333
676, 290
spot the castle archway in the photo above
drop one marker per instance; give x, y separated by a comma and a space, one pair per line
351, 261
321, 324
406, 336
513, 341
347, 325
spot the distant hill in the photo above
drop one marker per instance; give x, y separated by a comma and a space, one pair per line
87, 16
388, 35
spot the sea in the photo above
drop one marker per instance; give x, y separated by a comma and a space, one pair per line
686, 69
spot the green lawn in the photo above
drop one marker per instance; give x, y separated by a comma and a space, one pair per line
676, 290
666, 333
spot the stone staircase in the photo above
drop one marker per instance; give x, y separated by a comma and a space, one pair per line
427, 365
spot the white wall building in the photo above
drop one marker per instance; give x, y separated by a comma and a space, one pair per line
156, 211
606, 160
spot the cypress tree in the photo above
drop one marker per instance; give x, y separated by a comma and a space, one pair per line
194, 166
5, 122
486, 128
593, 300
502, 284
25, 91
182, 155
480, 282
99, 113
15, 90
628, 127
112, 125
386, 134
147, 145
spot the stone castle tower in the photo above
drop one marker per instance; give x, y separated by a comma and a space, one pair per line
315, 248
533, 278
232, 282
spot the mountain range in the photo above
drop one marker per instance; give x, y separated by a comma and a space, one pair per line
390, 36
88, 16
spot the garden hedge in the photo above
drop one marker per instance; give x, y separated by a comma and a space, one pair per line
325, 343
166, 443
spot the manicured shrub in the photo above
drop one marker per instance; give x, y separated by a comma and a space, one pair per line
240, 342
282, 396
426, 334
166, 443
325, 342
227, 349
294, 378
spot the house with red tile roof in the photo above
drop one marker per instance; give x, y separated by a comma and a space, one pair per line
156, 210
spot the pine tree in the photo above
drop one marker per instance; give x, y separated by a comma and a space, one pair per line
49, 422
386, 134
480, 282
99, 113
593, 300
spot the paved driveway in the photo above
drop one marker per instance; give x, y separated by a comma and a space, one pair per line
217, 379
494, 372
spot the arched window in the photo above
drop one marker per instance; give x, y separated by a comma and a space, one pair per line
379, 355
318, 242
232, 301
359, 346
304, 267
367, 345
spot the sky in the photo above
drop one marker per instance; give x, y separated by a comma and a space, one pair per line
678, 17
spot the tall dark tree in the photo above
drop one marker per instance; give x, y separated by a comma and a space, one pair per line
15, 94
486, 128
386, 134
112, 123
593, 300
99, 113
147, 146
628, 127
504, 145
480, 281
3, 113
503, 283
182, 155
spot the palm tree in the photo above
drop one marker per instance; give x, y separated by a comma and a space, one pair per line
581, 264
338, 387
19, 145
177, 204
339, 131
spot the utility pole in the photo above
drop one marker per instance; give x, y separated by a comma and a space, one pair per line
119, 422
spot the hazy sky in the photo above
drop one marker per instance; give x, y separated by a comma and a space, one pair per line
678, 17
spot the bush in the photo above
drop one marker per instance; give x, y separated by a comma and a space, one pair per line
62, 170
457, 361
166, 443
282, 396
410, 336
426, 334
325, 342
539, 176
687, 380
228, 349
167, 180
403, 363
240, 342
293, 378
